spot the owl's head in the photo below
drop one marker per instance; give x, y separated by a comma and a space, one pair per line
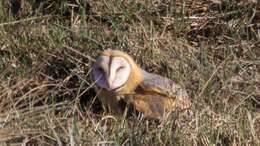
112, 70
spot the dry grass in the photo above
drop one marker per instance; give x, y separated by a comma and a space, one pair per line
211, 48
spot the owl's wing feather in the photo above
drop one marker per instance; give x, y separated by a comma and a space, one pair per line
166, 87
151, 105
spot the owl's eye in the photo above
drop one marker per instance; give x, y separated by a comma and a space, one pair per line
100, 69
121, 67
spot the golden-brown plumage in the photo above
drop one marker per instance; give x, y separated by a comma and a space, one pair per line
150, 94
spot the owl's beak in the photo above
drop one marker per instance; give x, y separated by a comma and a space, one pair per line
109, 83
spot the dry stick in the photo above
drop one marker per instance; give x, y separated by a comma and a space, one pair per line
211, 77
84, 37
79, 95
76, 51
72, 140
31, 91
86, 56
52, 126
251, 124
24, 20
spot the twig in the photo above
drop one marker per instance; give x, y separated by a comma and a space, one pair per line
24, 20
84, 37
211, 77
76, 51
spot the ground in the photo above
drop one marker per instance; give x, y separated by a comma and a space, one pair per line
209, 47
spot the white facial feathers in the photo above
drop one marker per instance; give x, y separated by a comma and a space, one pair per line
119, 72
111, 73
99, 71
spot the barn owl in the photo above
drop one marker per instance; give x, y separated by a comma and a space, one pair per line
120, 80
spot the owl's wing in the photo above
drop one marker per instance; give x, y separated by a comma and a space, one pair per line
151, 105
156, 84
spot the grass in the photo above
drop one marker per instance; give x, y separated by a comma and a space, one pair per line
46, 50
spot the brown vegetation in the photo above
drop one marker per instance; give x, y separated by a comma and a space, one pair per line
210, 47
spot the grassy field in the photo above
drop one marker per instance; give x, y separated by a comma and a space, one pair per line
210, 47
